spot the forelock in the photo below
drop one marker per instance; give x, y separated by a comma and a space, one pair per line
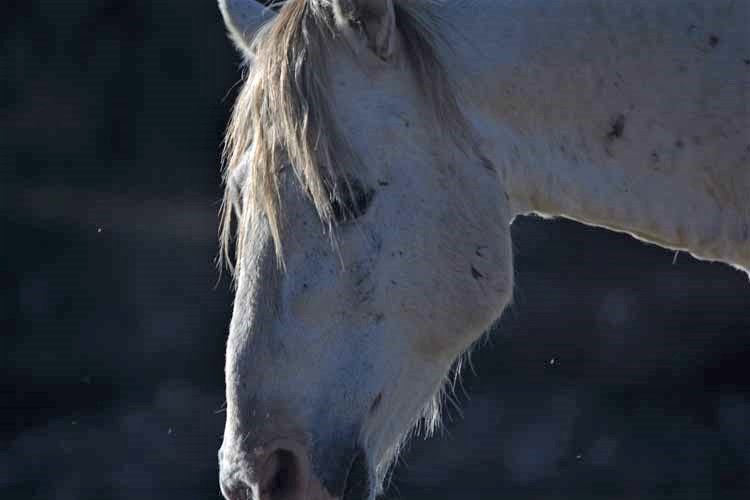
281, 118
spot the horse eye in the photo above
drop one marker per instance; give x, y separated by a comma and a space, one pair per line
351, 201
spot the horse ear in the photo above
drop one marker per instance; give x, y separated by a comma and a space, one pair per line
242, 19
373, 19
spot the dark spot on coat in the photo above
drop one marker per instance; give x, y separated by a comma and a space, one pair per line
376, 403
384, 183
679, 144
655, 156
617, 127
377, 244
713, 40
476, 274
361, 279
487, 164
746, 61
366, 295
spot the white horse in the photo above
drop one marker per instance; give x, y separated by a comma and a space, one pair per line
377, 154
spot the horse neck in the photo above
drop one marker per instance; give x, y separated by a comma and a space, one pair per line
628, 115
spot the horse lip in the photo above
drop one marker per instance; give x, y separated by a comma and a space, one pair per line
357, 484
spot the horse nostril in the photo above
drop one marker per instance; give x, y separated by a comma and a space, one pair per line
282, 477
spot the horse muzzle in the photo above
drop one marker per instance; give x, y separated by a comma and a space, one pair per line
287, 470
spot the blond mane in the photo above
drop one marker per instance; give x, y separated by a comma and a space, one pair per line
281, 118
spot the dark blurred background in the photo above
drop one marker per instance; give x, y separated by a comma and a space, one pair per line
620, 372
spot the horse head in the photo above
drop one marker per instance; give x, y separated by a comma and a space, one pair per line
372, 244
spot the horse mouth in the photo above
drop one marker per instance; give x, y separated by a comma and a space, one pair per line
357, 484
